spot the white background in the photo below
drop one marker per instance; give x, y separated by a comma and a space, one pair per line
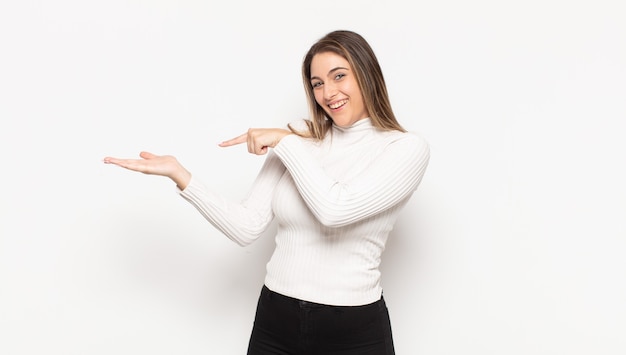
513, 244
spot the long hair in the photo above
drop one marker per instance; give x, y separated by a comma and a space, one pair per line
355, 49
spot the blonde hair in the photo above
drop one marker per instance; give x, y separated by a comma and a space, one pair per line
355, 49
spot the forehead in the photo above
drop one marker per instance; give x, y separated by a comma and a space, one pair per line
323, 63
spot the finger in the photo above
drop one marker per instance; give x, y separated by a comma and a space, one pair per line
115, 161
147, 155
237, 140
124, 163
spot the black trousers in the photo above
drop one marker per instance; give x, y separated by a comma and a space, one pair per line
288, 326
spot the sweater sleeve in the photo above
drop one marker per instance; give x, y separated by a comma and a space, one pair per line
243, 222
391, 177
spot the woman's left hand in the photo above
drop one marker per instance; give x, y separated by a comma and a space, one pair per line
258, 139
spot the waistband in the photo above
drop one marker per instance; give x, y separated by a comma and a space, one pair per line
266, 292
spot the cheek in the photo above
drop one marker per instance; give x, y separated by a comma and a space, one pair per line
319, 97
353, 89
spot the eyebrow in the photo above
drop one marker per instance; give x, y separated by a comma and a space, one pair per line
329, 72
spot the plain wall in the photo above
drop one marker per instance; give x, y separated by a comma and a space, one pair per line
513, 244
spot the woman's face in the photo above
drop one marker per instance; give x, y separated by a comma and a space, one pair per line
336, 89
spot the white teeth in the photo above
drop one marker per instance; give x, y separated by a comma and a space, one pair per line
338, 104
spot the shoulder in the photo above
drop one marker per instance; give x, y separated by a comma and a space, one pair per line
300, 125
409, 139
407, 148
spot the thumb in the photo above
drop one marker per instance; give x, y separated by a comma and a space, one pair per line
147, 155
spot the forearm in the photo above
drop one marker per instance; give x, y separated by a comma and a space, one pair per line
243, 222
240, 223
385, 181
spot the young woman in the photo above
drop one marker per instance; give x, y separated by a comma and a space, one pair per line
335, 183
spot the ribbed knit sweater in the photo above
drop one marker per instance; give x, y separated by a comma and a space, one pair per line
335, 202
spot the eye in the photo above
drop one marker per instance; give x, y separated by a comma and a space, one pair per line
316, 84
339, 76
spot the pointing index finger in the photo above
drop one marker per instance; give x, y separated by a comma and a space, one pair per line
234, 141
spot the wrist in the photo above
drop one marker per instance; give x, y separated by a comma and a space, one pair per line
181, 178
284, 133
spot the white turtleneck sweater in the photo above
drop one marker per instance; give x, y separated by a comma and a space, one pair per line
334, 201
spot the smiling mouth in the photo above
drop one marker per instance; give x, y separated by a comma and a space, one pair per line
338, 104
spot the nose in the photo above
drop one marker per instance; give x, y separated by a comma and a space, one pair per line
330, 91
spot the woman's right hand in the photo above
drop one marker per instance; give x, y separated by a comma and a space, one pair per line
164, 165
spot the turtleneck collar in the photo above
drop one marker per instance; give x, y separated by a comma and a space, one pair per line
360, 125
